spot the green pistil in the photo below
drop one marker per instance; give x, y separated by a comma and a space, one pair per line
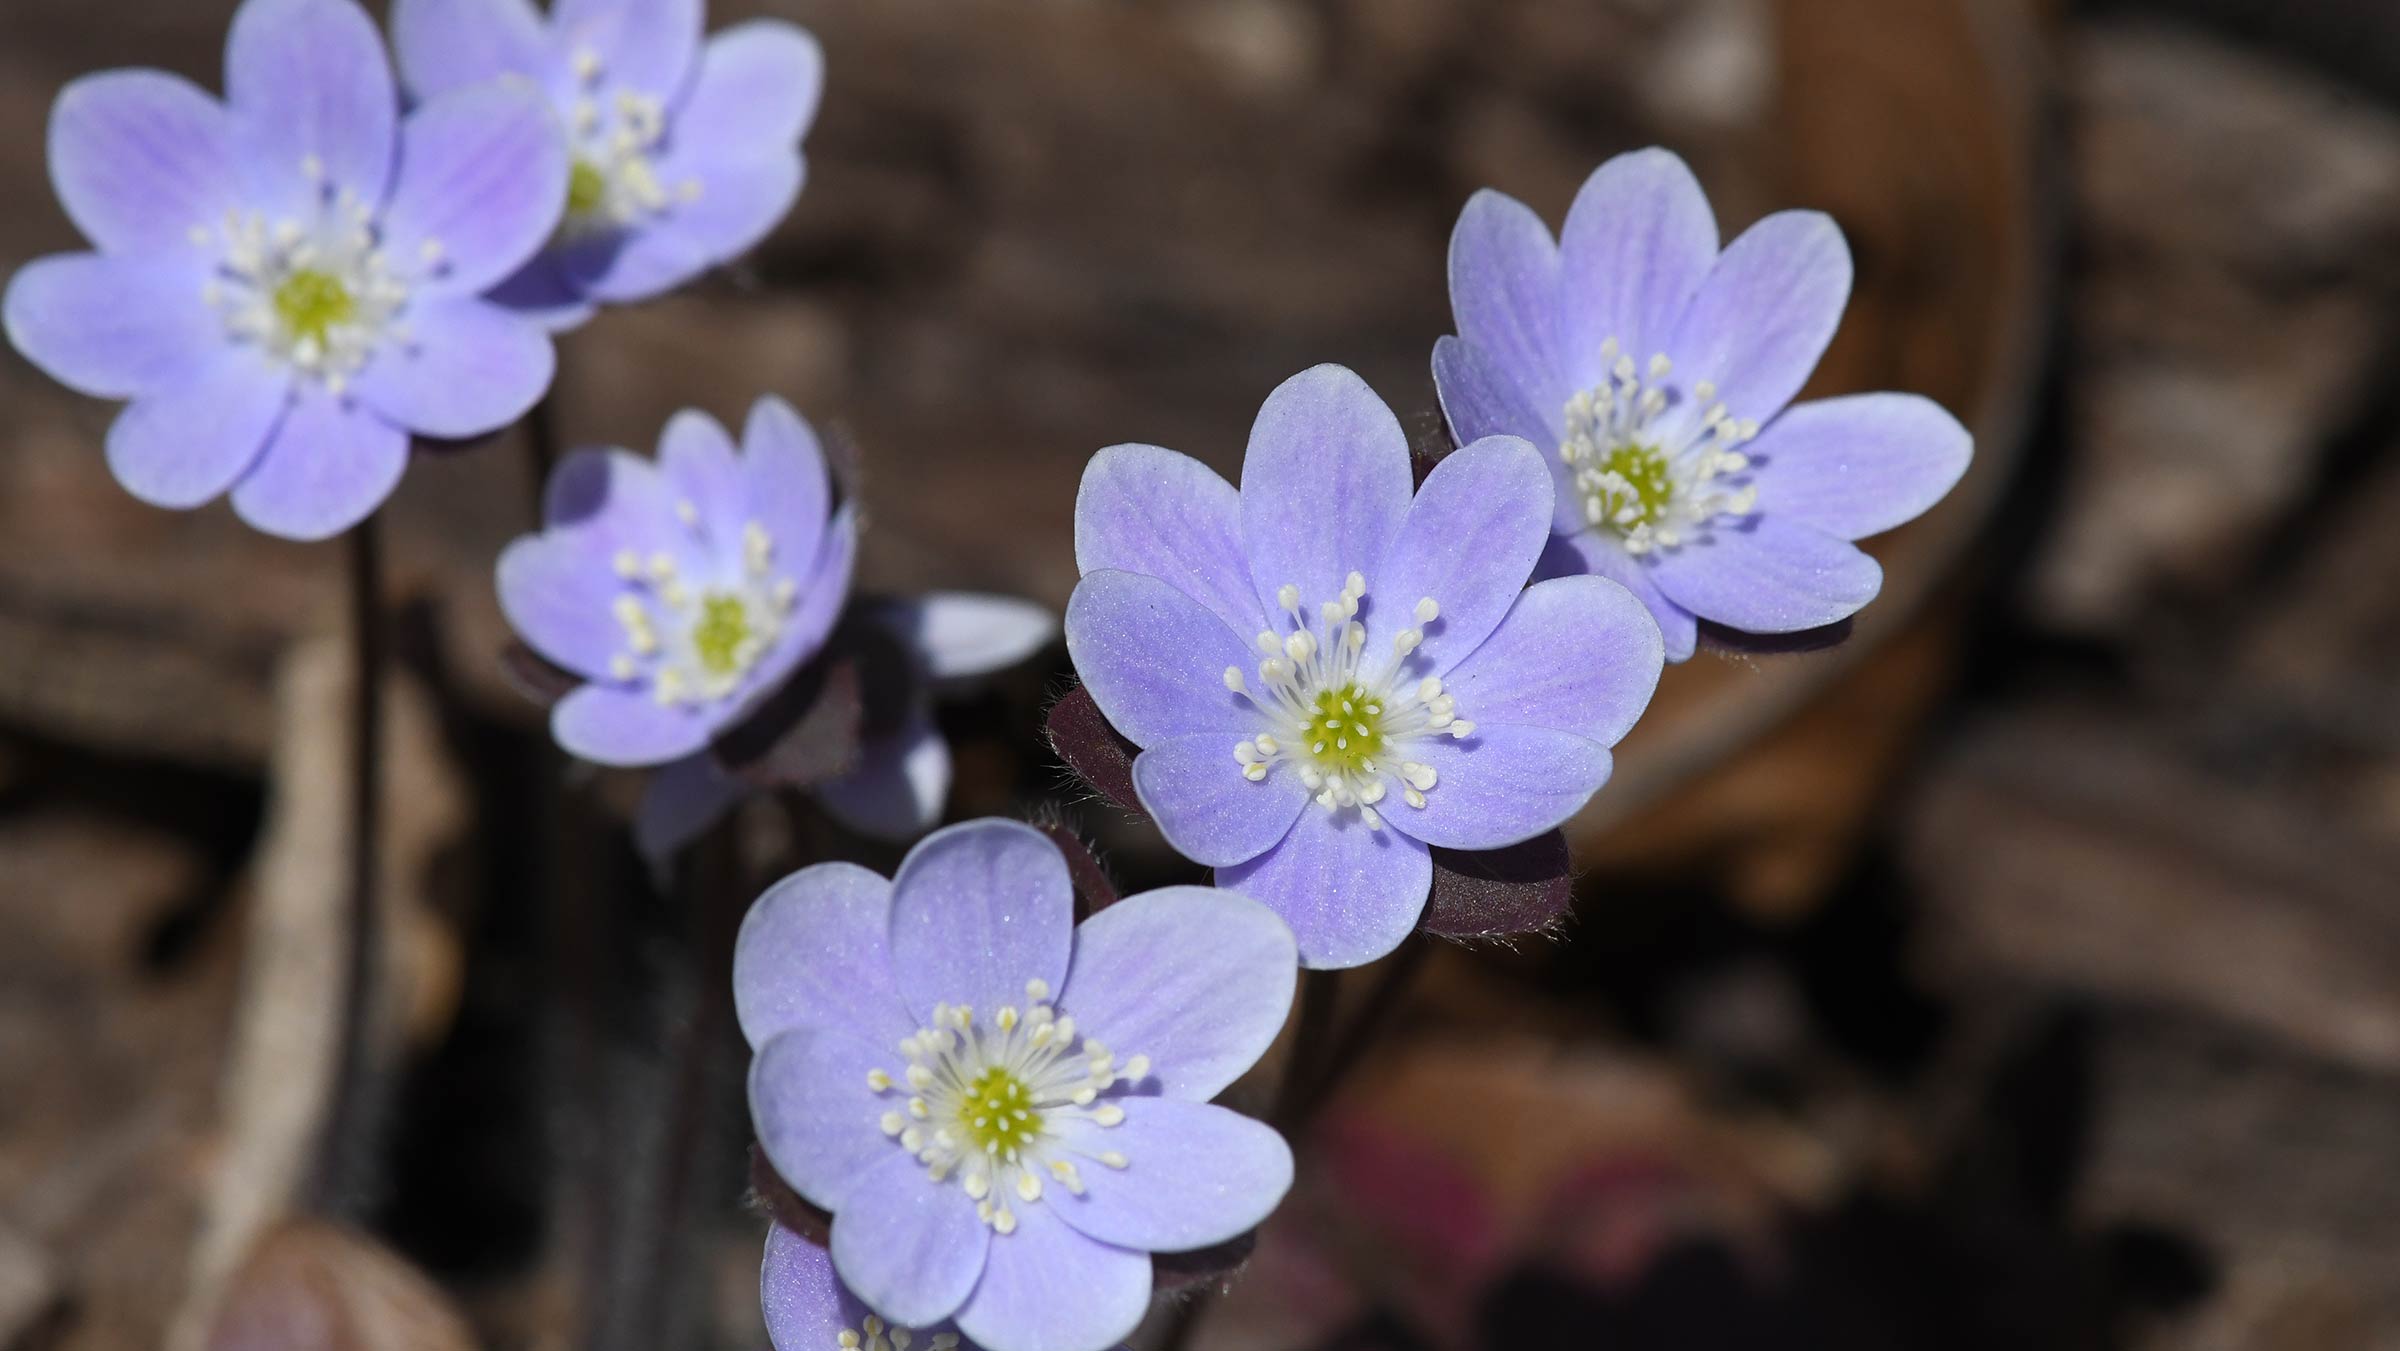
1648, 486
998, 1114
1345, 729
723, 630
312, 304
587, 189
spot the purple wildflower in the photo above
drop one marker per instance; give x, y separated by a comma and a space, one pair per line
684, 154
1005, 1112
809, 1309
901, 781
286, 283
1398, 656
1659, 372
682, 591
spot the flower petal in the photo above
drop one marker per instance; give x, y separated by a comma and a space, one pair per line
912, 1249
1479, 401
546, 293
897, 789
1636, 246
960, 634
815, 952
1589, 552
784, 477
626, 728
1770, 305
680, 802
1504, 293
807, 1307
705, 472
978, 910
1193, 787
1163, 514
1155, 660
184, 446
1501, 786
1349, 893
141, 158
1325, 485
1858, 466
613, 501
467, 368
1048, 1288
1576, 654
724, 208
441, 45
1471, 539
646, 45
1768, 574
328, 467
114, 327
313, 103
824, 589
1195, 1175
756, 91
816, 1118
480, 187
1196, 978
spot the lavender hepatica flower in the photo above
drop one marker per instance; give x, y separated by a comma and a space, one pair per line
1007, 1113
1399, 686
809, 1309
1661, 372
285, 285
685, 154
681, 591
901, 781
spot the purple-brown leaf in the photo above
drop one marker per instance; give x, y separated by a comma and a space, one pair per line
1081, 735
1501, 893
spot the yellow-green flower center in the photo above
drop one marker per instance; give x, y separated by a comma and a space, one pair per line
997, 1113
723, 630
311, 304
1641, 489
587, 188
1345, 728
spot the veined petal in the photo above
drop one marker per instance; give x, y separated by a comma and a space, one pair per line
1159, 513
329, 465
1155, 660
1766, 312
1503, 785
1047, 1287
784, 477
910, 1248
1576, 654
1325, 485
978, 910
1196, 978
1769, 574
442, 45
1504, 292
646, 45
1601, 556
1196, 1175
465, 368
114, 327
1471, 539
815, 1116
559, 595
141, 159
807, 1307
815, 951
313, 101
1637, 244
1193, 787
1479, 401
1859, 466
184, 446
627, 728
481, 184
756, 91
1349, 893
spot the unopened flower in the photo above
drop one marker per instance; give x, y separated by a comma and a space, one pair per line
1659, 373
897, 788
1007, 1113
809, 1309
683, 590
287, 284
684, 154
1327, 673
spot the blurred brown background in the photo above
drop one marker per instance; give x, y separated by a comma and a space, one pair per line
2023, 973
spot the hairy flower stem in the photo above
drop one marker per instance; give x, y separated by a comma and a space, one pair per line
346, 1149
